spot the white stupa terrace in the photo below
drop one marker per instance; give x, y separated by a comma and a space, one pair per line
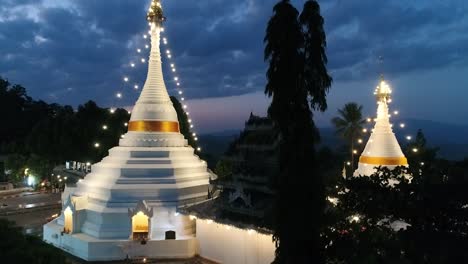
382, 148
128, 205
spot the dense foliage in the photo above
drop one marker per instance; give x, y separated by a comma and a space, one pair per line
15, 247
40, 136
408, 215
297, 81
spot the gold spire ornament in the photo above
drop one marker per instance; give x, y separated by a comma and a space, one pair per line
383, 91
155, 13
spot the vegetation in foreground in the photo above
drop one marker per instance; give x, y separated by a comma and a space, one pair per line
15, 247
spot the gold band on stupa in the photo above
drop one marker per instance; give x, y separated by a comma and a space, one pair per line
154, 126
393, 161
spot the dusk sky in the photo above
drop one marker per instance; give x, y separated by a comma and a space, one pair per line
72, 51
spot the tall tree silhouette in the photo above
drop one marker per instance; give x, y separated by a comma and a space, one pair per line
349, 125
295, 50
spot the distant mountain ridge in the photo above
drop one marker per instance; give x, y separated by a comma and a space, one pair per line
452, 139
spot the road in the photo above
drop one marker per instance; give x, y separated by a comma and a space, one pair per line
28, 200
30, 210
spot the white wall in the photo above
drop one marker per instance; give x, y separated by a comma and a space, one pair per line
229, 245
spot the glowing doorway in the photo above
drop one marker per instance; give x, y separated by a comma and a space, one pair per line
68, 221
140, 226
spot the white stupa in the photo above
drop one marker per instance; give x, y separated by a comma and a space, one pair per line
128, 205
382, 149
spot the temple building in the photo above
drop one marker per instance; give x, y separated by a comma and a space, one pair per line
248, 191
382, 148
131, 205
128, 204
246, 176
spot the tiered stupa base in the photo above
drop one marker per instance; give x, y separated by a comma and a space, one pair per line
163, 177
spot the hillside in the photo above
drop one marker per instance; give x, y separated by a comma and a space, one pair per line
452, 139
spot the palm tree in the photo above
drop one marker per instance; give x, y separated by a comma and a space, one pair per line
349, 125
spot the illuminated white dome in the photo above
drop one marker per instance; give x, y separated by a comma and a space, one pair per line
382, 149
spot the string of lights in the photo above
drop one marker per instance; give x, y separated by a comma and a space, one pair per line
178, 88
119, 95
383, 94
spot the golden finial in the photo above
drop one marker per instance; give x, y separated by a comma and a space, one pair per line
155, 13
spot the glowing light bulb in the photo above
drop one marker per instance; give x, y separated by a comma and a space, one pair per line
118, 95
364, 130
178, 84
125, 124
146, 46
143, 60
145, 36
369, 120
138, 50
172, 65
182, 98
104, 127
359, 141
169, 56
402, 125
354, 151
415, 150
180, 92
173, 70
176, 78
396, 112
126, 79
112, 110
168, 51
96, 145
199, 149
132, 65
408, 137
135, 87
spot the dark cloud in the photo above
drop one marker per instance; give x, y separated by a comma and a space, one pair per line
71, 51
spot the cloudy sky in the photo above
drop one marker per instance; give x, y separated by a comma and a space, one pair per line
71, 51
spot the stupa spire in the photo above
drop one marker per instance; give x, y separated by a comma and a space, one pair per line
382, 149
154, 111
